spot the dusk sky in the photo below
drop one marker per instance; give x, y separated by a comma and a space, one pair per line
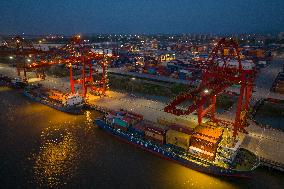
141, 16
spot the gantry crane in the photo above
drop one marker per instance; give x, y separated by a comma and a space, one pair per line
21, 49
220, 71
70, 54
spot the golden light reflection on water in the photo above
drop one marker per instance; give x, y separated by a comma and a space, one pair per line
5, 89
57, 157
187, 178
88, 116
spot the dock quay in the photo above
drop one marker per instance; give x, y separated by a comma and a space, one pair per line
259, 140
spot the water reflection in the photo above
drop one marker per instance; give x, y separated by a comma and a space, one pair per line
188, 178
57, 159
61, 150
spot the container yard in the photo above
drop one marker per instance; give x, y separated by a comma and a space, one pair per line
278, 85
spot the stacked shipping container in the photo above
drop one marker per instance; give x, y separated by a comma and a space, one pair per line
202, 140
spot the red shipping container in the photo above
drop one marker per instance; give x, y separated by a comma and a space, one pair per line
120, 127
157, 130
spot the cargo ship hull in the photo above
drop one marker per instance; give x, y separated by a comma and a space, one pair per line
164, 152
77, 110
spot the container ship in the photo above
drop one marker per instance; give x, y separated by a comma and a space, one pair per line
69, 103
205, 148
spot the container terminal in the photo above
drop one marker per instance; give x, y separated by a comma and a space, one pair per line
187, 126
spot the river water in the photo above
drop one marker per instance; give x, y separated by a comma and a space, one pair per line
44, 148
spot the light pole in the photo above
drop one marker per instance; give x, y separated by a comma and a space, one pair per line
133, 79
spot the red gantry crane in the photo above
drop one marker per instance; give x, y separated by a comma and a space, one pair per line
220, 72
74, 53
23, 50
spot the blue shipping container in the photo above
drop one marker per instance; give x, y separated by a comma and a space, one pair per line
152, 70
120, 122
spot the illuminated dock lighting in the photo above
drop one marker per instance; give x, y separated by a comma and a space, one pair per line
11, 58
206, 91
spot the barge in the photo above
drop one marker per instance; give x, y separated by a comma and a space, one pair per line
69, 103
203, 148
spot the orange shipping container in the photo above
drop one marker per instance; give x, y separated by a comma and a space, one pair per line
204, 143
260, 53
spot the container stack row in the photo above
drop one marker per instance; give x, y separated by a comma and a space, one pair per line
201, 140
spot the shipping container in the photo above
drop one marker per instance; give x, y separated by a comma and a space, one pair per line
119, 127
204, 143
154, 136
155, 132
209, 129
178, 139
135, 115
152, 71
260, 53
138, 128
202, 154
120, 122
182, 128
226, 52
176, 121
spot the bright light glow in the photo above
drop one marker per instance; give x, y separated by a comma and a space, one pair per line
29, 60
206, 91
11, 57
133, 78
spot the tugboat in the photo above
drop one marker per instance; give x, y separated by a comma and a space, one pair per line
205, 148
69, 103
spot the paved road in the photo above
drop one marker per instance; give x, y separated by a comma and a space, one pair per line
264, 81
150, 109
148, 76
